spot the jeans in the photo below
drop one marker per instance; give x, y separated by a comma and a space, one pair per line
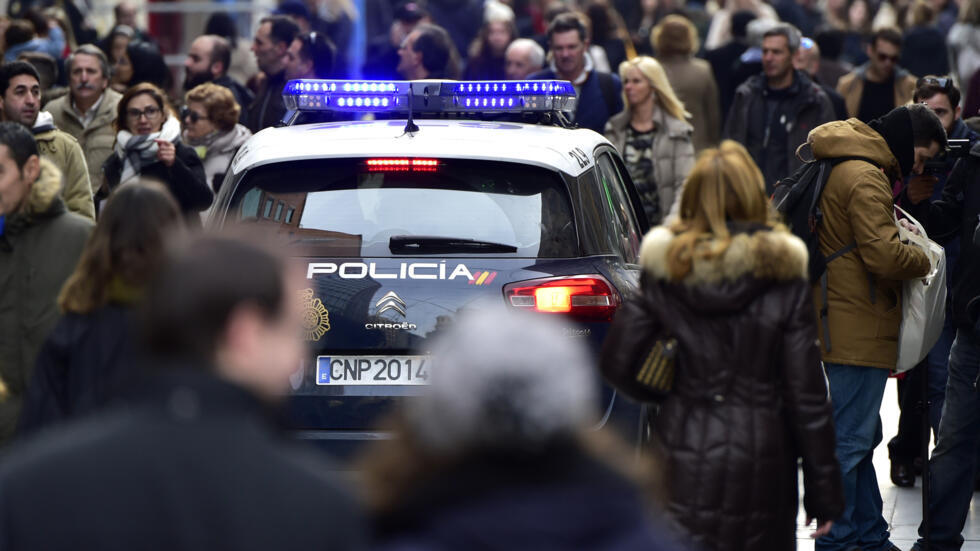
954, 460
856, 393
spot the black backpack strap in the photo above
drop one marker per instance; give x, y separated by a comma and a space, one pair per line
608, 88
824, 322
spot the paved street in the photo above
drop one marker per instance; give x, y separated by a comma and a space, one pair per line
903, 506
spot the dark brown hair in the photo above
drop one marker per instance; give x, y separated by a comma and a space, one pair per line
928, 86
126, 246
152, 90
203, 279
888, 34
219, 103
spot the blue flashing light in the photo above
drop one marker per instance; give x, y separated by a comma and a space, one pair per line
428, 96
540, 87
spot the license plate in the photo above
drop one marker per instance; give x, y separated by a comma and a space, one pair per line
372, 370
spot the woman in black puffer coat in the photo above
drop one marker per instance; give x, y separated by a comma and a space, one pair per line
749, 397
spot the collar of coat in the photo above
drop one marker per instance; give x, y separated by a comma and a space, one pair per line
43, 198
676, 128
105, 112
772, 254
900, 73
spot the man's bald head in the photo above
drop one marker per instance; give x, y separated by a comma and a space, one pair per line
524, 57
807, 58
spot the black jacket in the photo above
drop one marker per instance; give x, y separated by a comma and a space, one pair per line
193, 463
749, 397
243, 96
185, 179
805, 107
957, 214
268, 108
82, 366
556, 498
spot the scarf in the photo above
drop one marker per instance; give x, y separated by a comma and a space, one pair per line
896, 128
219, 142
138, 152
122, 293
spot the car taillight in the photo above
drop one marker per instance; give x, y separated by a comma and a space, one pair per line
392, 165
585, 297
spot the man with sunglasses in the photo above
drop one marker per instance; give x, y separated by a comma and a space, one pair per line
872, 90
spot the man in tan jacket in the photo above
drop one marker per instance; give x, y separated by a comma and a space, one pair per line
880, 85
20, 101
860, 309
88, 112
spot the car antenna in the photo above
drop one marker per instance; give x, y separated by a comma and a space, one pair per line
410, 127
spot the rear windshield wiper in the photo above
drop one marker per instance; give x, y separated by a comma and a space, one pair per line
428, 244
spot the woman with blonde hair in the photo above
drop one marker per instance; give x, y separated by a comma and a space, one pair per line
652, 136
725, 289
675, 41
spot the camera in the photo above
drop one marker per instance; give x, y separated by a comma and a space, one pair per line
957, 149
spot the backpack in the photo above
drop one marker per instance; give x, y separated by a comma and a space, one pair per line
797, 199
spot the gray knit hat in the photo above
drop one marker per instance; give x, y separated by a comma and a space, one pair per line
505, 379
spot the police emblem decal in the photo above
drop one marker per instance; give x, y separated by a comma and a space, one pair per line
316, 318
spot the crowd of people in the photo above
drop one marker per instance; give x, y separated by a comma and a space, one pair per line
105, 157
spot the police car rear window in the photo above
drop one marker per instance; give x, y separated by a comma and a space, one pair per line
355, 207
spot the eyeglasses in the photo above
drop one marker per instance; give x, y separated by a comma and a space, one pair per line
945, 83
194, 116
150, 113
885, 57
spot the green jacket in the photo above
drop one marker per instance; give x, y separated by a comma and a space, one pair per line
63, 150
39, 248
98, 138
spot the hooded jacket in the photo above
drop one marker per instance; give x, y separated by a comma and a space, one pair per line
864, 286
851, 86
673, 156
749, 396
39, 247
63, 150
97, 138
808, 107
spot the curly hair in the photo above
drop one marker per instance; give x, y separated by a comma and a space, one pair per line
219, 103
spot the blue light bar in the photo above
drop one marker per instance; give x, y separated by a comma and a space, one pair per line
510, 96
346, 95
430, 96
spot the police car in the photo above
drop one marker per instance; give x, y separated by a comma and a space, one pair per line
456, 197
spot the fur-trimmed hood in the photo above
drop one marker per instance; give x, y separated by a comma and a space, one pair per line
765, 254
44, 198
45, 189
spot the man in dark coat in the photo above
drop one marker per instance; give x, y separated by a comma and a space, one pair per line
270, 46
599, 93
40, 242
208, 60
774, 111
193, 461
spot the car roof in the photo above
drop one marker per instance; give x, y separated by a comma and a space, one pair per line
567, 150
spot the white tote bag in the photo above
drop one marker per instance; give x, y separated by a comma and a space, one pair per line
923, 301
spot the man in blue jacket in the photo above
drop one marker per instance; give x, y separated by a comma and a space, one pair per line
599, 93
